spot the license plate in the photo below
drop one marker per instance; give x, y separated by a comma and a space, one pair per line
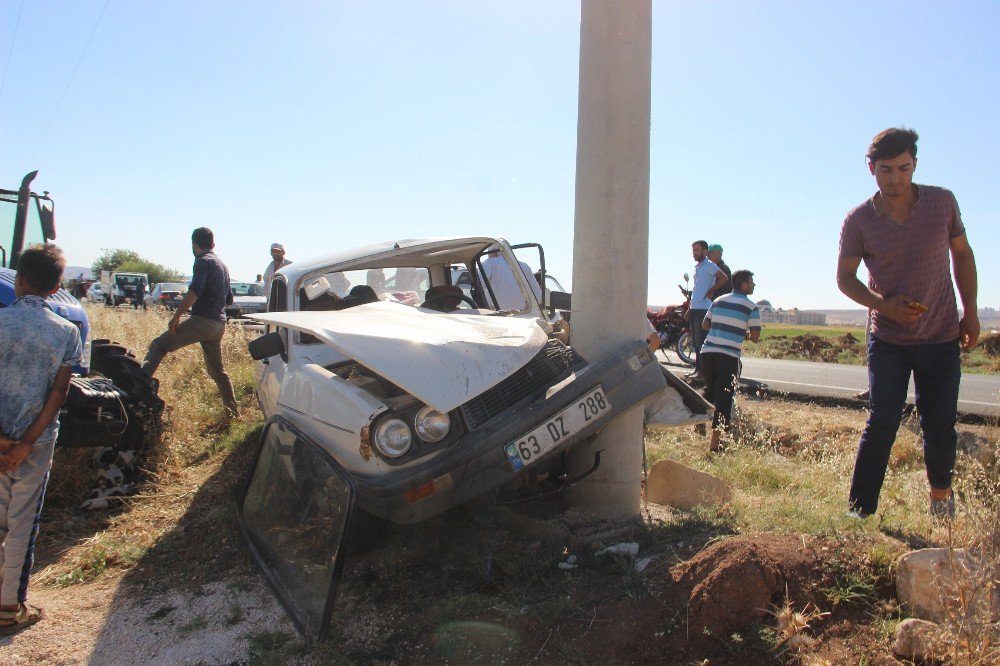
532, 446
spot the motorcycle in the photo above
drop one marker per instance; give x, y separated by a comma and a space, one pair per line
674, 328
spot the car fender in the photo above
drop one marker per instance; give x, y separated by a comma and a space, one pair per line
334, 413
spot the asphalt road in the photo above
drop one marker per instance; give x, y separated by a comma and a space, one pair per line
978, 394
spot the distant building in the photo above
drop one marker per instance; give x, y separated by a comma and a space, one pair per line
769, 315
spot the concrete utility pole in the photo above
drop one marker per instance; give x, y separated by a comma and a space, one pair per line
611, 243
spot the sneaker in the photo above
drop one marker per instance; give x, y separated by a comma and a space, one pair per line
858, 514
943, 508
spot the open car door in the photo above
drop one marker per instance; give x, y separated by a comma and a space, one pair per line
294, 515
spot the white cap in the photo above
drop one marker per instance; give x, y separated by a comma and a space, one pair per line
277, 246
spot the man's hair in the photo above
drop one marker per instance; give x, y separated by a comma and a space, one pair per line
703, 244
42, 266
203, 238
740, 278
892, 142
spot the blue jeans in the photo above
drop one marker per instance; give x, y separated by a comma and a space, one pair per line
697, 335
936, 372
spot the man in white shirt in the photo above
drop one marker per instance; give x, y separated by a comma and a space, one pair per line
502, 280
277, 261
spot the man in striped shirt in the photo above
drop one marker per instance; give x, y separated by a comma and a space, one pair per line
732, 319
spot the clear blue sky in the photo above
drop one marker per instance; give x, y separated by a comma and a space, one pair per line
327, 125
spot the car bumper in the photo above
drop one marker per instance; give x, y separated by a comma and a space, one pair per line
477, 463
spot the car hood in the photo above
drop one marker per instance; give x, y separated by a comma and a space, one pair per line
442, 359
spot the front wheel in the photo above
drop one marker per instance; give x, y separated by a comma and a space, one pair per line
685, 348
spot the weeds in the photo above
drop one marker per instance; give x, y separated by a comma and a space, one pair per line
266, 648
792, 636
195, 624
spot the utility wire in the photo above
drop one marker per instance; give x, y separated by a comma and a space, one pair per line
68, 83
10, 53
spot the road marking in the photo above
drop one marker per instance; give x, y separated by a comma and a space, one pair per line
822, 386
844, 388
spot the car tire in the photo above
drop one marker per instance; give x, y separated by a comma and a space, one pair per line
114, 361
143, 406
365, 532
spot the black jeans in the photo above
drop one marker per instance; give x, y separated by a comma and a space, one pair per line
936, 372
720, 372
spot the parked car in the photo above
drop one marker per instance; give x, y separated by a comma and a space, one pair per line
94, 293
248, 298
166, 294
408, 410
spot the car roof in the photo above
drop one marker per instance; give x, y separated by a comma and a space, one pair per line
423, 252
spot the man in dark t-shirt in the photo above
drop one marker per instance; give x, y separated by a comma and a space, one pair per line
715, 255
207, 297
908, 235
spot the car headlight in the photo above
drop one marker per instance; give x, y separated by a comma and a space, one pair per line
431, 425
393, 438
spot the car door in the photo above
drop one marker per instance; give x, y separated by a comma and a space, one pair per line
271, 371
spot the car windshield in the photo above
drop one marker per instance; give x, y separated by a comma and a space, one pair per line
129, 279
172, 286
404, 284
247, 289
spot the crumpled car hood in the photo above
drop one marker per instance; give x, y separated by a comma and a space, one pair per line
442, 359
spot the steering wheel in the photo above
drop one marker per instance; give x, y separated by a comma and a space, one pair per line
441, 297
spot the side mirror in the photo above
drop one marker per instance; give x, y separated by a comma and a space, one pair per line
266, 346
560, 300
47, 216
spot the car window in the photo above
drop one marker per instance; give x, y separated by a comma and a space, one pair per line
246, 289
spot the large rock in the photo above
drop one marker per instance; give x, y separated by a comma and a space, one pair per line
673, 484
919, 640
931, 583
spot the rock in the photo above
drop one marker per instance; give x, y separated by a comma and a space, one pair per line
918, 640
928, 580
631, 548
673, 484
641, 565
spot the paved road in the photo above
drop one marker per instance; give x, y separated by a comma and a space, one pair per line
979, 394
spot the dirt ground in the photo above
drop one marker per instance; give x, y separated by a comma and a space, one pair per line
716, 604
480, 584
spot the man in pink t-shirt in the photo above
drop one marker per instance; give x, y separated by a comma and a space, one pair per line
907, 235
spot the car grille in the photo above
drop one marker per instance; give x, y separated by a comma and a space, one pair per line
549, 366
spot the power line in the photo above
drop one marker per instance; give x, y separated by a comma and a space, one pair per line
10, 53
68, 83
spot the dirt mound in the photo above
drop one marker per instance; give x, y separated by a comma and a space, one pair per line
991, 345
813, 347
736, 582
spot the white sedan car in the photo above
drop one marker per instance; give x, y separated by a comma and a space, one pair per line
94, 293
386, 387
248, 299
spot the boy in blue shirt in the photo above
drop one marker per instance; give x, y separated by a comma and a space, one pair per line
38, 349
732, 319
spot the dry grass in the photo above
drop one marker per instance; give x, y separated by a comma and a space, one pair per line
82, 545
791, 464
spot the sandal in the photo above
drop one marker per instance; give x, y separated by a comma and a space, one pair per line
22, 618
